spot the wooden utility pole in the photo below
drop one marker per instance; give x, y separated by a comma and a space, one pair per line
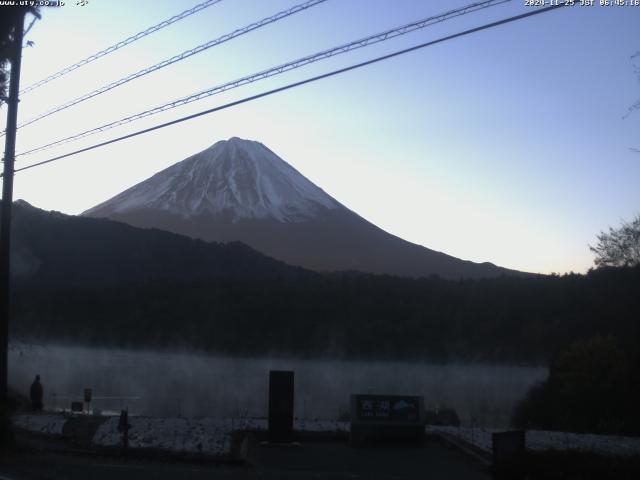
7, 199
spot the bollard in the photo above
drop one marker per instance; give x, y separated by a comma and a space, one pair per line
508, 454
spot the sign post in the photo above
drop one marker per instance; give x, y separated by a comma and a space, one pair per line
281, 406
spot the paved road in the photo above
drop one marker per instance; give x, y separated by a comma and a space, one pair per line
311, 460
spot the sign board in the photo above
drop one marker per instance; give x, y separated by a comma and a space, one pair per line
394, 419
387, 408
280, 406
87, 395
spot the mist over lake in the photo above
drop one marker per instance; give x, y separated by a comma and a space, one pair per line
197, 384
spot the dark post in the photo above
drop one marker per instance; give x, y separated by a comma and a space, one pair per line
280, 406
87, 399
123, 427
7, 199
508, 454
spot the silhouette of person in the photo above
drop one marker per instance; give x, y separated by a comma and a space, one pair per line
36, 393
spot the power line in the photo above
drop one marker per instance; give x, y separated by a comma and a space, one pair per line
301, 82
119, 45
362, 42
176, 58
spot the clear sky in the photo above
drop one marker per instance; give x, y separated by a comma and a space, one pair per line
506, 146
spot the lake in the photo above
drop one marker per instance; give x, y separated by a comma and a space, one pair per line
198, 384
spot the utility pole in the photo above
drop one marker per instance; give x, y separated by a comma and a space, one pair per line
7, 199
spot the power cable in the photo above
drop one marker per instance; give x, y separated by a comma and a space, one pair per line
176, 58
302, 82
362, 42
119, 45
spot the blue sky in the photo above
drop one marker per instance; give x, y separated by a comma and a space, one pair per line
507, 146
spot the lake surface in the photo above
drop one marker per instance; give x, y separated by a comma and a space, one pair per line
196, 384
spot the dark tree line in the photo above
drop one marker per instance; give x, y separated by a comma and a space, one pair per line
351, 315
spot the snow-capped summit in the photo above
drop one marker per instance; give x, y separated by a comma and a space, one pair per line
240, 190
241, 179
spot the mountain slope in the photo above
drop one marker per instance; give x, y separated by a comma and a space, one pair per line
239, 190
56, 250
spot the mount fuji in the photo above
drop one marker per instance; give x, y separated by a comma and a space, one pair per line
239, 190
